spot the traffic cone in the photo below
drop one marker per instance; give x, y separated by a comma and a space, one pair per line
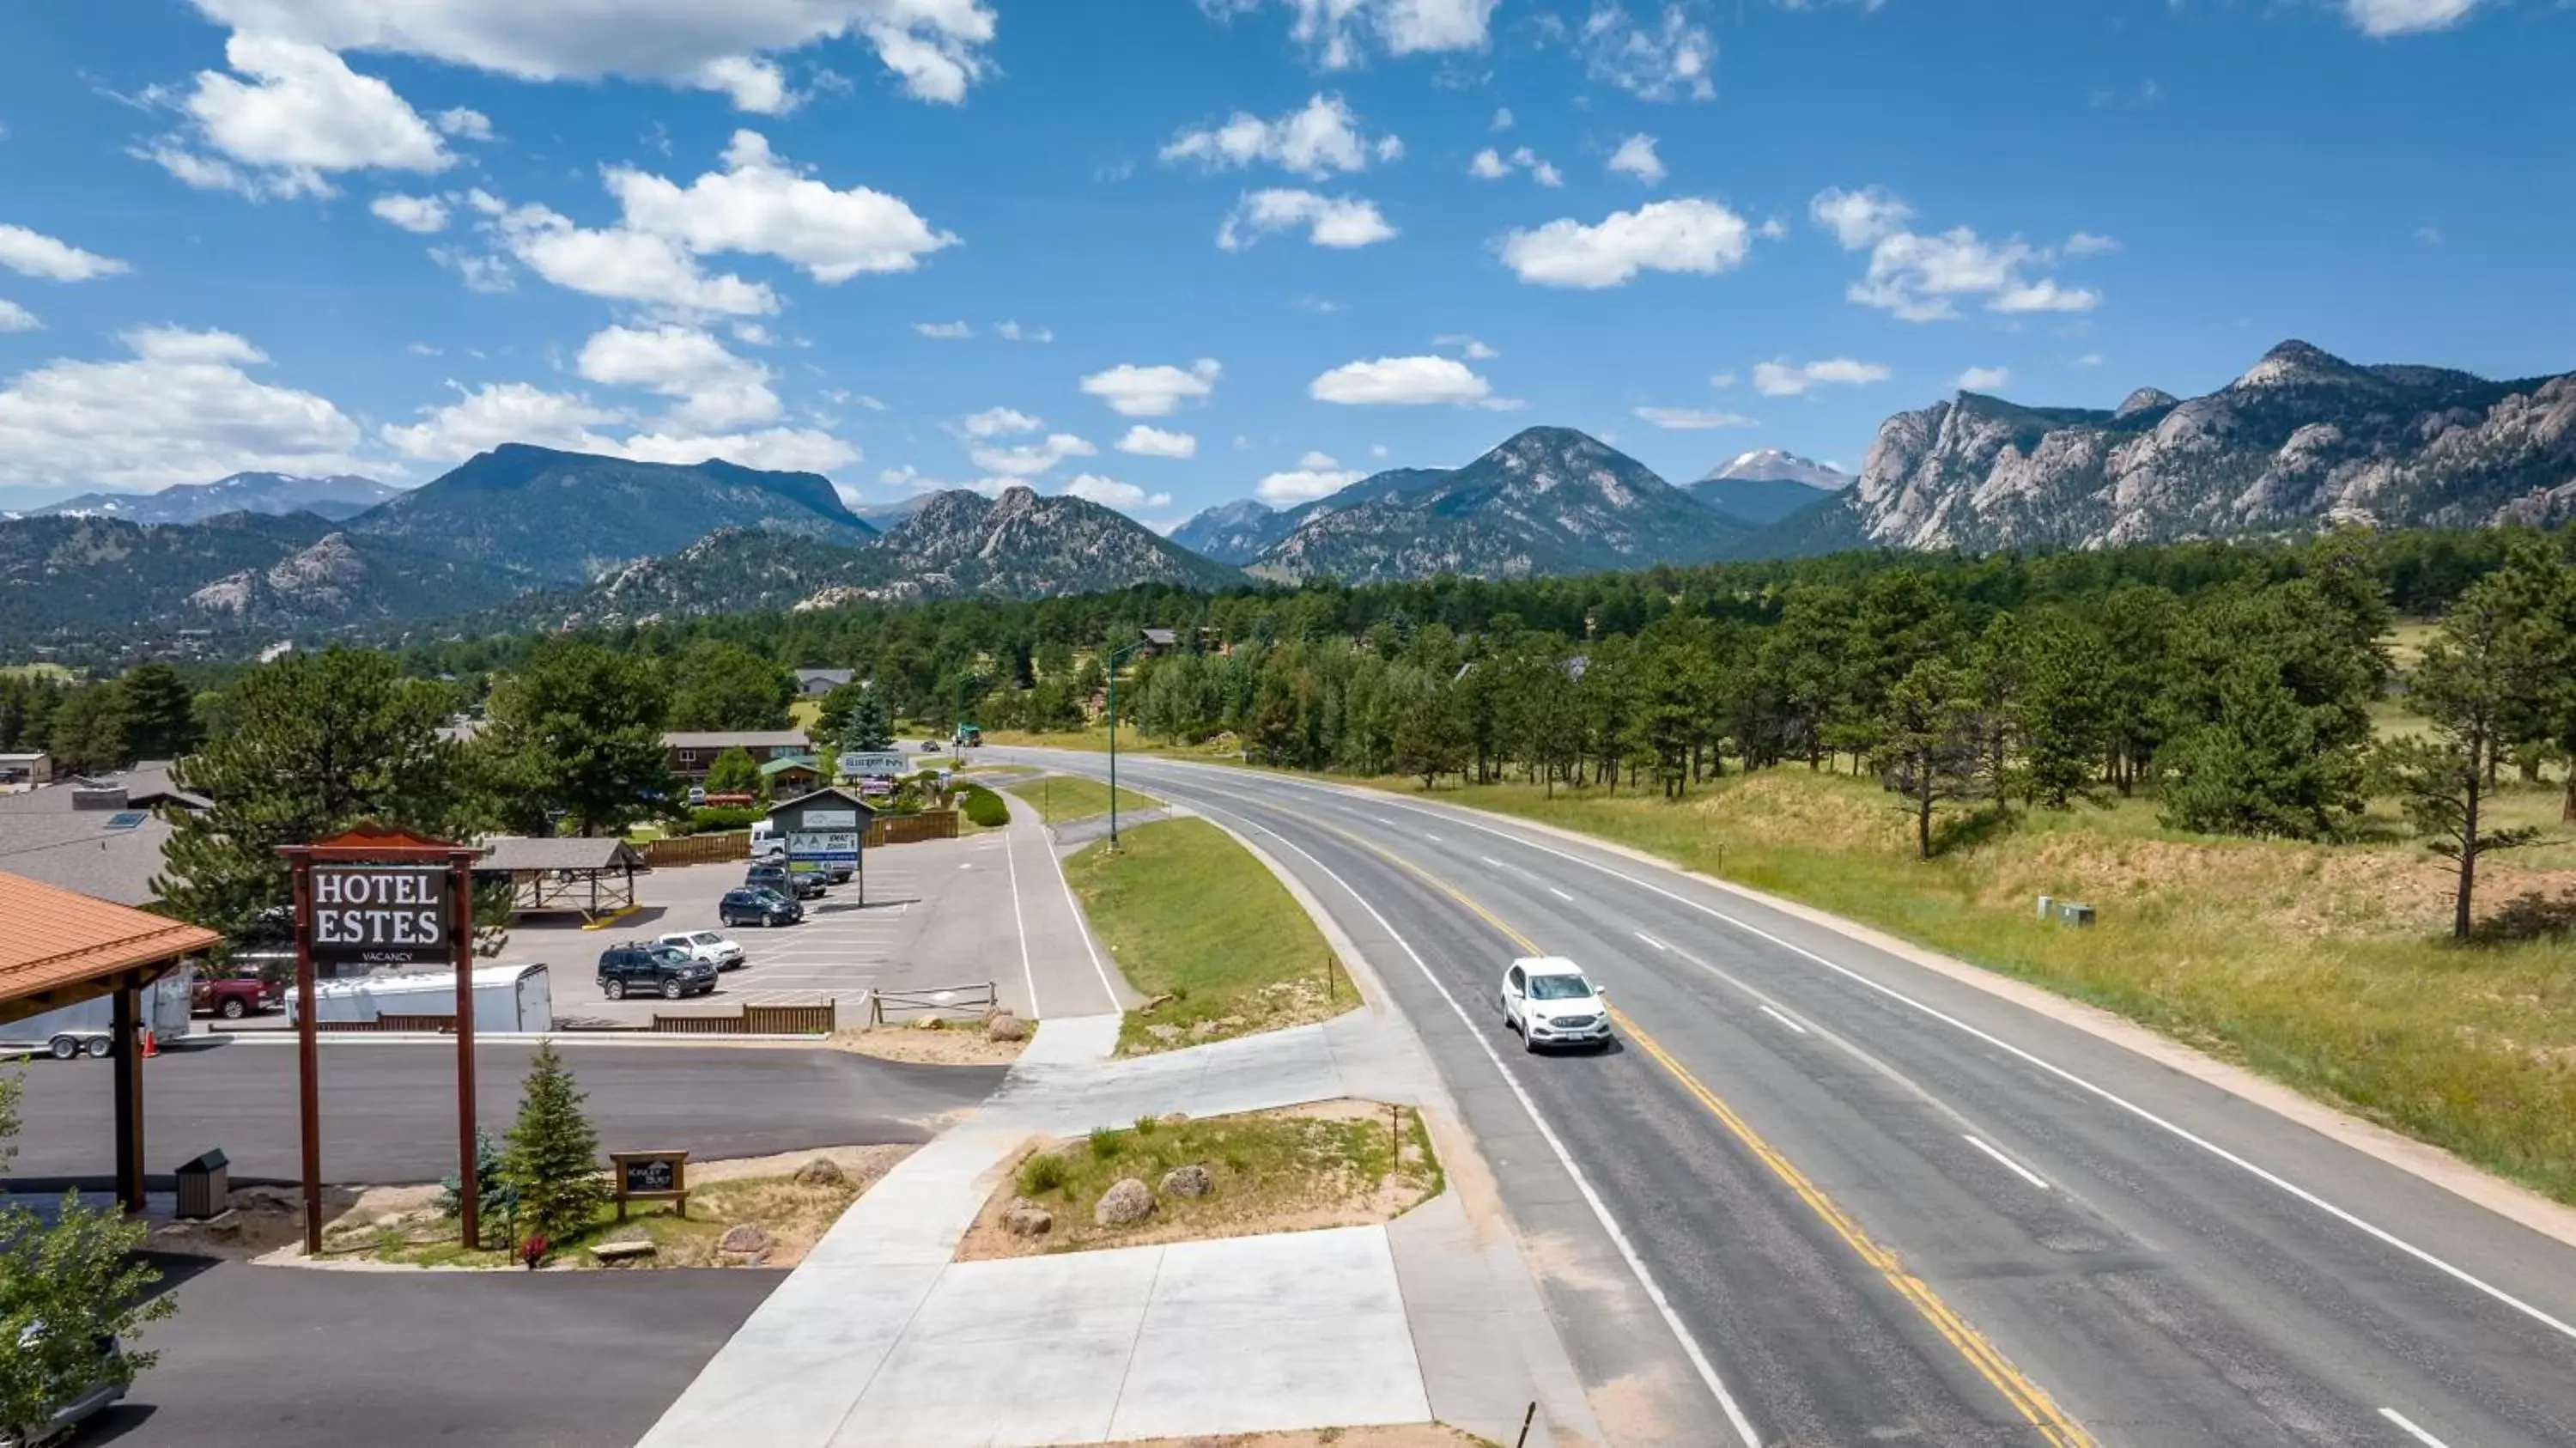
150, 1050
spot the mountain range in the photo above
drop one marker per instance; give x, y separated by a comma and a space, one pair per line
276, 494
1762, 487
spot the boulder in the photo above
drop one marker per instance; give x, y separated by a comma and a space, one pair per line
1187, 1181
822, 1171
1164, 1032
1006, 1027
1024, 1220
1127, 1200
1174, 1118
626, 1251
744, 1240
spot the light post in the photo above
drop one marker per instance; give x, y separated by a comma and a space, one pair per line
1112, 658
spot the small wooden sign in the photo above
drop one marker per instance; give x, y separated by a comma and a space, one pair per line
650, 1176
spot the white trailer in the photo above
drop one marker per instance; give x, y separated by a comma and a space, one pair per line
516, 998
89, 1028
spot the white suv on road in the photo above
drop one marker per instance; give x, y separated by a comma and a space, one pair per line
706, 945
1548, 1000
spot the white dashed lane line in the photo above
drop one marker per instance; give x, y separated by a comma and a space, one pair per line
2016, 1168
2418, 1434
1784, 1020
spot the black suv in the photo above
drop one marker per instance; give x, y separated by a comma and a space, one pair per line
640, 968
778, 879
758, 906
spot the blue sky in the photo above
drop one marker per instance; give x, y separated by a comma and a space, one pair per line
1167, 253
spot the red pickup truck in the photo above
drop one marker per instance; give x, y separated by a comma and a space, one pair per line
234, 996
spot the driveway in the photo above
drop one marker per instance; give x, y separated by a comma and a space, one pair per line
277, 1357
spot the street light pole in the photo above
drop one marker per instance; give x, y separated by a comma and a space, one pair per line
1114, 656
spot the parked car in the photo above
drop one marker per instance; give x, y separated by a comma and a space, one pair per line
1548, 1000
797, 884
646, 968
697, 795
705, 945
235, 996
749, 906
105, 1388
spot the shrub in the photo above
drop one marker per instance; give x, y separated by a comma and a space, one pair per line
1104, 1143
1041, 1174
984, 808
1146, 1123
714, 818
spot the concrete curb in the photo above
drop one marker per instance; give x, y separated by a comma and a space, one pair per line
529, 1038
2422, 1160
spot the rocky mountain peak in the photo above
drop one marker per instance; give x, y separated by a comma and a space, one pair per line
2295, 363
2145, 399
1774, 465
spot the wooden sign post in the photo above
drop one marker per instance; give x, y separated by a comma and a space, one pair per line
650, 1176
380, 896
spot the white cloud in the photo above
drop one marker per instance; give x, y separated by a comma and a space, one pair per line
423, 349
1666, 59
753, 334
1014, 332
2382, 18
1133, 391
1466, 346
944, 331
1377, 449
1859, 218
1317, 475
1780, 379
1688, 235
480, 273
761, 204
1692, 419
1333, 221
624, 264
1153, 442
2045, 295
711, 389
501, 412
464, 124
1985, 379
1636, 157
1721, 380
1314, 142
423, 214
179, 409
1111, 493
786, 449
1491, 165
303, 114
1029, 460
1340, 32
1402, 382
2086, 243
15, 318
934, 46
2089, 359
999, 422
1502, 118
34, 254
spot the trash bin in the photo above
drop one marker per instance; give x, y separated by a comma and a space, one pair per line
205, 1187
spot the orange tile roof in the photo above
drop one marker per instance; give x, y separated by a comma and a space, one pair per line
50, 938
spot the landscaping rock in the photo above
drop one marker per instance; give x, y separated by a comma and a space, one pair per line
1201, 1030
1024, 1220
625, 1251
1006, 1027
226, 1224
822, 1171
1128, 1200
1186, 1181
1164, 1033
745, 1241
1174, 1118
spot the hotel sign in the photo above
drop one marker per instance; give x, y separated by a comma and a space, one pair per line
383, 915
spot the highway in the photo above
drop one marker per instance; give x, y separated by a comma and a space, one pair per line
1822, 1194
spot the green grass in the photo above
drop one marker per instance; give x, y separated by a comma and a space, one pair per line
1191, 915
1261, 1165
802, 713
1064, 798
2318, 966
56, 672
767, 1202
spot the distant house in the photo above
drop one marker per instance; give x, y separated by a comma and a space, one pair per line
1158, 641
815, 683
99, 836
36, 768
790, 775
694, 753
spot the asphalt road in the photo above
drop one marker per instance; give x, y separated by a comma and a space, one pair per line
389, 1110
1883, 1206
276, 1357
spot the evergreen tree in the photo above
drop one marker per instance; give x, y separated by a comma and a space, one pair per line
89, 729
2064, 716
734, 773
315, 743
866, 730
494, 1203
1929, 749
160, 713
551, 1161
2264, 764
1431, 739
577, 731
726, 686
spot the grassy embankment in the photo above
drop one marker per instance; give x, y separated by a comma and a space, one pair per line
2320, 966
1064, 798
1190, 915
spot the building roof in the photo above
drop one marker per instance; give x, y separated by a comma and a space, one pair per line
1163, 636
826, 676
111, 855
834, 792
736, 738
786, 762
55, 941
144, 786
22, 758
516, 853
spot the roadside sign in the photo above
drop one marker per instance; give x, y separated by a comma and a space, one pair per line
380, 915
814, 850
873, 765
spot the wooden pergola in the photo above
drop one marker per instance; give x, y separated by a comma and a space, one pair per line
594, 875
59, 948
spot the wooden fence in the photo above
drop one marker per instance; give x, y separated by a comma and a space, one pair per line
936, 824
698, 849
819, 1019
425, 1025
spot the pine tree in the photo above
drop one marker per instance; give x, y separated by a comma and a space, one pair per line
160, 712
494, 1201
866, 731
551, 1162
1929, 748
734, 773
577, 732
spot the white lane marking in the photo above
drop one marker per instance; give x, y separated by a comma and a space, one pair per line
1490, 860
1650, 940
1600, 1211
1387, 820
1028, 970
2017, 1169
1435, 839
2102, 1093
1561, 895
2420, 1436
1784, 1020
1082, 927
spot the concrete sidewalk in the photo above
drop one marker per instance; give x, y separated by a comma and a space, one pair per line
881, 1338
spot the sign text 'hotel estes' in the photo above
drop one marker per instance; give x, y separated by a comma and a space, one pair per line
382, 915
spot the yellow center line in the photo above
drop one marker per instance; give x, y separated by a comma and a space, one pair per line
2027, 1398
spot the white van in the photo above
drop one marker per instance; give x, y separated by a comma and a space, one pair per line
765, 842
